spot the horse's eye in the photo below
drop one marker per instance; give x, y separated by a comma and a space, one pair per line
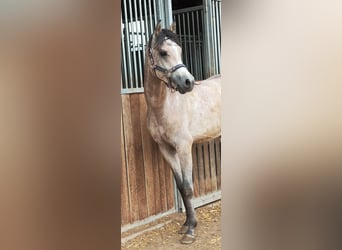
162, 53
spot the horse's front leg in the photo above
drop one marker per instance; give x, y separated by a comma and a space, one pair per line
187, 191
181, 165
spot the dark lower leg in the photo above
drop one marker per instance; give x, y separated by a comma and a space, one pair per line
186, 191
191, 221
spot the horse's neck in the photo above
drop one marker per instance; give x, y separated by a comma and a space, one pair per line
155, 92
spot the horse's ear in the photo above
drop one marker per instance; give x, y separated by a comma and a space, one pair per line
158, 28
173, 27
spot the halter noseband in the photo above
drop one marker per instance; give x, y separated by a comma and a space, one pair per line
165, 71
168, 71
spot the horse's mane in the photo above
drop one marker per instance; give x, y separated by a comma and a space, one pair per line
165, 33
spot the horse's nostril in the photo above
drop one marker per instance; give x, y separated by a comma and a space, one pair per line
187, 82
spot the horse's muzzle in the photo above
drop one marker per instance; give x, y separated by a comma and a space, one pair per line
186, 85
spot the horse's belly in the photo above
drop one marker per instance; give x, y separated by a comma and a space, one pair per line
200, 140
201, 135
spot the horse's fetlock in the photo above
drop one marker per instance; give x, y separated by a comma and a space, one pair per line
195, 223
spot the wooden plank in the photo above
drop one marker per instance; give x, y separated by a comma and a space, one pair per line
218, 161
125, 213
139, 160
148, 159
163, 191
200, 162
130, 159
170, 198
206, 167
206, 199
156, 180
213, 177
146, 221
195, 171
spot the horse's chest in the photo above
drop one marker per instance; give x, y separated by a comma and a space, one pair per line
158, 133
161, 131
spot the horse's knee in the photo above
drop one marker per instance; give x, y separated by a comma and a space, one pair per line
188, 192
188, 189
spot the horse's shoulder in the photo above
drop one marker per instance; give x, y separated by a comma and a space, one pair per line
153, 128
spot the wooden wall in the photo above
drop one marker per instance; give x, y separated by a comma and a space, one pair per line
207, 167
146, 182
147, 186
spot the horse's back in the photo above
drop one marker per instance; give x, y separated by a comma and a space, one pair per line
206, 109
210, 88
215, 79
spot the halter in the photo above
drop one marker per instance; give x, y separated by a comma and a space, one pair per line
165, 71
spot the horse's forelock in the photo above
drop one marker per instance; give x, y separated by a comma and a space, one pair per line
165, 33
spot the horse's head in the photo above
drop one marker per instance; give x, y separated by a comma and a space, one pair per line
165, 54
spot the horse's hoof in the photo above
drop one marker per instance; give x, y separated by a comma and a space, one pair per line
188, 239
183, 230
